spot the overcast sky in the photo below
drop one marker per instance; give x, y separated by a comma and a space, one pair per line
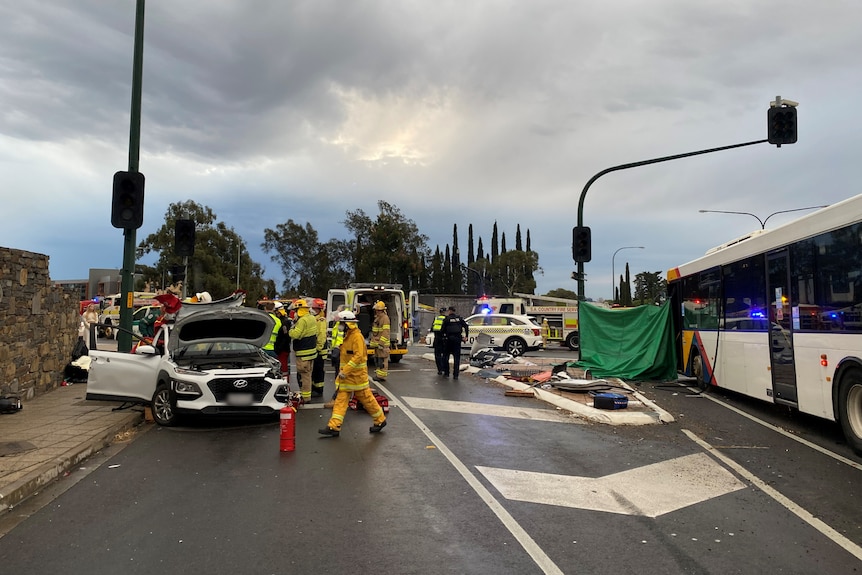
455, 112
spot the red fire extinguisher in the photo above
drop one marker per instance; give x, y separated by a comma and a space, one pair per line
288, 428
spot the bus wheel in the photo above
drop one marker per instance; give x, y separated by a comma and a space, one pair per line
573, 341
394, 358
850, 408
697, 371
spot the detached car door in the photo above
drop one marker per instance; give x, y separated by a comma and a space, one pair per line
117, 376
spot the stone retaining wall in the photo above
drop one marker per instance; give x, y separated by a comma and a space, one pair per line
38, 325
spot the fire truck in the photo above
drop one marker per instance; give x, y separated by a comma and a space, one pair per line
360, 297
561, 314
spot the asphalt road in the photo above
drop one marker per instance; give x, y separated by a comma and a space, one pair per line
463, 480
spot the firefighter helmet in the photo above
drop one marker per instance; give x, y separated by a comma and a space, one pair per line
318, 303
300, 303
346, 316
379, 305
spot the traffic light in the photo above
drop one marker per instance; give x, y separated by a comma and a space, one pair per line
127, 207
581, 244
184, 238
178, 273
781, 123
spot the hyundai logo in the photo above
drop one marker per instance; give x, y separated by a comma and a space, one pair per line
240, 383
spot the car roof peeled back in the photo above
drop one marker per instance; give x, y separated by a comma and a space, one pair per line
236, 324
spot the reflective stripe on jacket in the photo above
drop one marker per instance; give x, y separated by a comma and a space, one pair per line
304, 336
438, 323
354, 362
322, 350
380, 331
270, 345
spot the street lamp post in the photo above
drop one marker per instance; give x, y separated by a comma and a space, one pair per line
613, 273
238, 246
481, 276
763, 221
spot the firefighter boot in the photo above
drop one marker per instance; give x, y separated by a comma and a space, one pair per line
329, 432
377, 427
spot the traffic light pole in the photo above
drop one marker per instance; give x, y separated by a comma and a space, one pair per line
124, 337
580, 272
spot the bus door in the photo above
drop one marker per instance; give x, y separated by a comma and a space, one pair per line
781, 329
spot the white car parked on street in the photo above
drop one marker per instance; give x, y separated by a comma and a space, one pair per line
208, 362
516, 334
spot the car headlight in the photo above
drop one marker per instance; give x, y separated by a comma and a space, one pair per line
187, 388
183, 371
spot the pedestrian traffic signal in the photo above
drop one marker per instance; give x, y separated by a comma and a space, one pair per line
127, 207
781, 123
184, 237
581, 244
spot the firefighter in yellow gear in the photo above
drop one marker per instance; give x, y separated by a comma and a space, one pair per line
335, 353
304, 336
353, 379
379, 343
318, 308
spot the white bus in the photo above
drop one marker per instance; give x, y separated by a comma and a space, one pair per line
777, 315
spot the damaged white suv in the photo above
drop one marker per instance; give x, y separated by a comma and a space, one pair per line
208, 362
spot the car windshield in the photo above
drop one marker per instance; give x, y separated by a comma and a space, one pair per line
217, 348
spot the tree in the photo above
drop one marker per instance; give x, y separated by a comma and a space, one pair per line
562, 293
457, 276
213, 267
510, 267
387, 245
650, 287
309, 267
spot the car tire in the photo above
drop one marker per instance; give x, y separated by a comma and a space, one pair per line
395, 359
850, 408
573, 341
109, 330
515, 346
164, 405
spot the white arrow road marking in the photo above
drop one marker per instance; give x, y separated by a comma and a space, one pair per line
488, 409
650, 491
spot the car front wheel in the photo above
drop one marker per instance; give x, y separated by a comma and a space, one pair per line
164, 405
515, 346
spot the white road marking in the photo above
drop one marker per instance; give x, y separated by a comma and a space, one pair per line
648, 491
776, 429
521, 536
530, 413
785, 502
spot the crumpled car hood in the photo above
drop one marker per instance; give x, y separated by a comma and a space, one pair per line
234, 324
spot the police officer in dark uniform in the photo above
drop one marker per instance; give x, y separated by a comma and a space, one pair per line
439, 341
455, 331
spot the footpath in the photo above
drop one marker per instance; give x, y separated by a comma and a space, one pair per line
56, 431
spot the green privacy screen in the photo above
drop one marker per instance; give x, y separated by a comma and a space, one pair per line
632, 343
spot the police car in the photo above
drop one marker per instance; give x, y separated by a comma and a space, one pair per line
516, 334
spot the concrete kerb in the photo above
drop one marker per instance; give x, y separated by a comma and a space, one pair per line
51, 470
610, 417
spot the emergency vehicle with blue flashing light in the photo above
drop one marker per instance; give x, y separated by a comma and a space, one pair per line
515, 334
360, 298
561, 314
